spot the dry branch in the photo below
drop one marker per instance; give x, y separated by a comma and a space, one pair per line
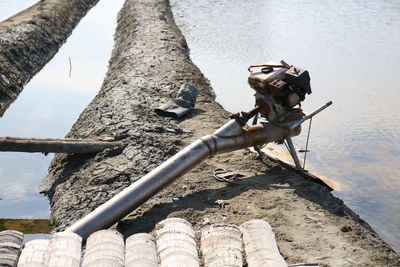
55, 145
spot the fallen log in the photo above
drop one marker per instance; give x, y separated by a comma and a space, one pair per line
29, 39
55, 145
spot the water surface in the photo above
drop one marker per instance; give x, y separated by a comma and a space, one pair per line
11, 7
351, 49
50, 104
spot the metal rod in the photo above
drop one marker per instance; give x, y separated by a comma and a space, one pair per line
298, 122
294, 124
229, 137
293, 153
308, 138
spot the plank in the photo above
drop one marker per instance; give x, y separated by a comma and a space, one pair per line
280, 157
10, 247
141, 251
104, 248
221, 245
176, 245
260, 245
33, 254
64, 250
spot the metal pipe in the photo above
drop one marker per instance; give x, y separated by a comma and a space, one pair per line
293, 153
229, 137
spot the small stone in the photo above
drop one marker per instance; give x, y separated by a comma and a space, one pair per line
176, 199
221, 203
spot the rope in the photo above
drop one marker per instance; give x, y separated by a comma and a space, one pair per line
221, 175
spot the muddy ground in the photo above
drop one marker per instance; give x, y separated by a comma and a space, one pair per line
29, 39
149, 63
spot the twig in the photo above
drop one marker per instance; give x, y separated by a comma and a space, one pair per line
70, 67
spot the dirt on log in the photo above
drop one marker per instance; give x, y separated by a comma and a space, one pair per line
29, 39
149, 63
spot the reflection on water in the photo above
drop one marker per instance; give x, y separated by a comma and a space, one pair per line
11, 7
351, 51
50, 104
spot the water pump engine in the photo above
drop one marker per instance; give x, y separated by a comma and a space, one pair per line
279, 89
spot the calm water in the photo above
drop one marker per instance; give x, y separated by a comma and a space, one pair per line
351, 49
11, 7
51, 103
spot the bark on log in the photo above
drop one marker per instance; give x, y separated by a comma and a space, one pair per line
104, 248
33, 254
221, 245
176, 246
141, 251
10, 247
260, 245
29, 39
56, 145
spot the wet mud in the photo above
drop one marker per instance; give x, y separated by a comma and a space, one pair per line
149, 63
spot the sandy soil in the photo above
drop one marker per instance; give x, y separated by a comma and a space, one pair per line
29, 39
149, 63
